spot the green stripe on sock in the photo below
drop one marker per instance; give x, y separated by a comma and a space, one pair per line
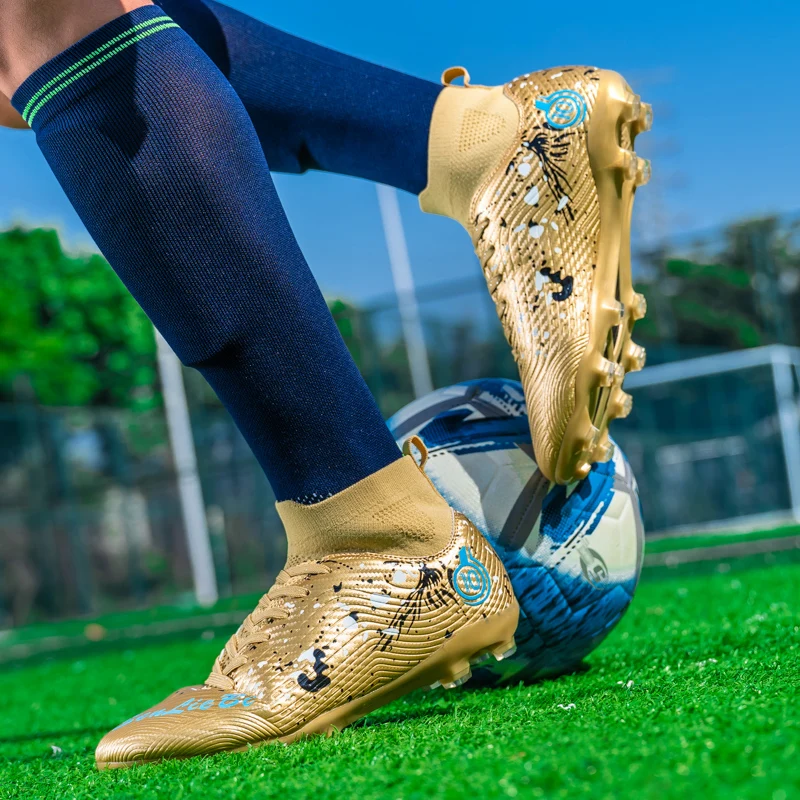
142, 35
78, 64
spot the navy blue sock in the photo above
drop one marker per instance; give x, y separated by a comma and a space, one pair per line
314, 108
157, 154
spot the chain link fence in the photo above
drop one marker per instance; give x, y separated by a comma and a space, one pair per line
90, 517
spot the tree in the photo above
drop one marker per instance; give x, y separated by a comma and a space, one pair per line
69, 328
737, 290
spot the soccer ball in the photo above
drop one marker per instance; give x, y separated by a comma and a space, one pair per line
574, 553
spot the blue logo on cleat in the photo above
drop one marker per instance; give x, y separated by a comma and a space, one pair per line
471, 579
563, 109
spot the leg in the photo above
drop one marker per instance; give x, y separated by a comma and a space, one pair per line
396, 591
556, 149
158, 156
314, 108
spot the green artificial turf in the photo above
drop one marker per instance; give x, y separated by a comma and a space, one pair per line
669, 544
693, 695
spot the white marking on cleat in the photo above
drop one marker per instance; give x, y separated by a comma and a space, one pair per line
532, 198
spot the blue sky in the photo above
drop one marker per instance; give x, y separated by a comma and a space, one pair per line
722, 76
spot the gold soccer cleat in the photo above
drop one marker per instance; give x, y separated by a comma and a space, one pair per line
542, 173
339, 635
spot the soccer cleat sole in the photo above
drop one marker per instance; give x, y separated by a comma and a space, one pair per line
618, 117
448, 668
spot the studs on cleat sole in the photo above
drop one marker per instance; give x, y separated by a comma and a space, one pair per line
457, 682
591, 439
582, 470
644, 121
639, 306
504, 650
620, 405
610, 373
628, 162
635, 357
604, 451
614, 311
643, 171
478, 660
456, 675
632, 110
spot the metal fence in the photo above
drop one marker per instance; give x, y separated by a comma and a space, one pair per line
90, 515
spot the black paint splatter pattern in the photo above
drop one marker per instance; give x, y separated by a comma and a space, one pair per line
432, 591
552, 151
319, 681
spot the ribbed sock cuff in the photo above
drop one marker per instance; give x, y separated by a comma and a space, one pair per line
394, 511
73, 73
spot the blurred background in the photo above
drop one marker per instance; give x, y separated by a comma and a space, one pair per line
103, 493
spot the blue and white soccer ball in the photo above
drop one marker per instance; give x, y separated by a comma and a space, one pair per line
574, 553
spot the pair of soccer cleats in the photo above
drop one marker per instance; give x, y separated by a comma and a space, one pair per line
542, 174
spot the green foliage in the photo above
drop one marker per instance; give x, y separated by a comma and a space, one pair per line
716, 272
741, 289
69, 329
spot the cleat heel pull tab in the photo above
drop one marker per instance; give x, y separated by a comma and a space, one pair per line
454, 73
609, 373
419, 445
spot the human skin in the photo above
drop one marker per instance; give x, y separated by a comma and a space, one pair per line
34, 31
9, 118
